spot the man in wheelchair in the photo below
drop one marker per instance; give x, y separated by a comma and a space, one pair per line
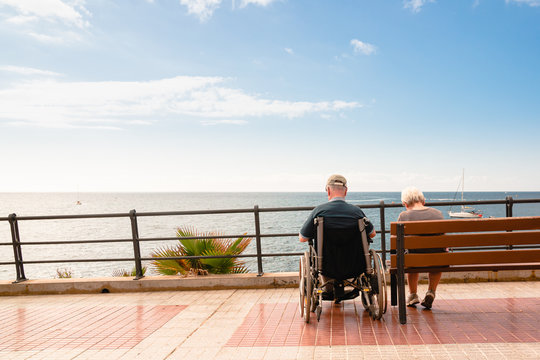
325, 271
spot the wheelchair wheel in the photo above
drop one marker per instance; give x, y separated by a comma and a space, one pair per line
301, 284
379, 268
308, 286
378, 300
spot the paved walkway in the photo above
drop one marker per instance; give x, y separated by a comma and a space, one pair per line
476, 321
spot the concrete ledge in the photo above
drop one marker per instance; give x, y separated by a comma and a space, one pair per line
216, 282
150, 283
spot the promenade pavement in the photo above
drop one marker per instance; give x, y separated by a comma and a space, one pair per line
496, 320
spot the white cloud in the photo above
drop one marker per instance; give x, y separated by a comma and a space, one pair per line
289, 51
415, 5
203, 9
58, 38
27, 71
256, 2
47, 21
52, 103
21, 19
51, 10
532, 3
223, 122
362, 47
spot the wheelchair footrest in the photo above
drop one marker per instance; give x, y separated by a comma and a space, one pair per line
354, 293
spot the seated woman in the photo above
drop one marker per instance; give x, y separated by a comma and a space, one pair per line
414, 202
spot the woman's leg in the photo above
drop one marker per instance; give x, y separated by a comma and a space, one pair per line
434, 279
413, 282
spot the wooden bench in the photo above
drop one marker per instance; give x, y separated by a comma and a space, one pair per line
475, 245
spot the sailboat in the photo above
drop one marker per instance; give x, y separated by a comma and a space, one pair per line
466, 211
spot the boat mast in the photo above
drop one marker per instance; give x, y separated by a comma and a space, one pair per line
462, 188
462, 183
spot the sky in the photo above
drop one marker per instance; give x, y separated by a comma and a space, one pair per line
269, 95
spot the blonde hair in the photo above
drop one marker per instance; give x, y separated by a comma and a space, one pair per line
412, 195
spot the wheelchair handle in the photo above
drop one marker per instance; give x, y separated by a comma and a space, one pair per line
362, 226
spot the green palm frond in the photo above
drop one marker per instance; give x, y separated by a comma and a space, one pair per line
207, 245
170, 267
194, 247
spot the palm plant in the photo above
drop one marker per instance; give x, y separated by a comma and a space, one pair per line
207, 245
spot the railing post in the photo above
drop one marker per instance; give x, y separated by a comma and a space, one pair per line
258, 240
400, 262
383, 234
17, 251
136, 248
509, 213
509, 206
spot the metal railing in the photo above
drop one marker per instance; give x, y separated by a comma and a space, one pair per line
17, 243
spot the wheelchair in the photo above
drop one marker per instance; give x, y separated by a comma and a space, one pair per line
347, 263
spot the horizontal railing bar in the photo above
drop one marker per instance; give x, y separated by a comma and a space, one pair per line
524, 201
220, 237
64, 242
67, 217
220, 256
195, 212
74, 261
287, 208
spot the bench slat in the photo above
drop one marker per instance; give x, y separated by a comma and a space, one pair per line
463, 240
481, 267
472, 257
468, 225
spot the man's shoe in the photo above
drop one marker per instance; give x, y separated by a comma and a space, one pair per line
412, 300
428, 299
339, 290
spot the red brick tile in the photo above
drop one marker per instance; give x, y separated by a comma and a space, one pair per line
456, 321
97, 327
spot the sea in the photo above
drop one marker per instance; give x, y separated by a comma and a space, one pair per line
32, 204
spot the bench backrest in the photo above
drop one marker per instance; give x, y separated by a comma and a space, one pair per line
465, 233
